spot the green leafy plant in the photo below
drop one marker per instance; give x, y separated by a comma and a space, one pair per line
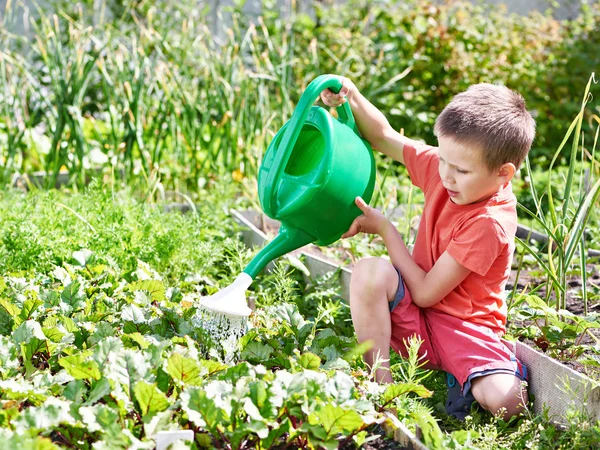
566, 220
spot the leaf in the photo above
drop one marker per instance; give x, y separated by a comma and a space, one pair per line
128, 367
537, 303
101, 418
73, 296
10, 308
182, 369
83, 257
213, 366
27, 331
133, 314
75, 391
394, 391
289, 313
53, 334
297, 264
335, 419
202, 410
156, 288
135, 338
257, 352
29, 307
100, 388
150, 398
309, 361
80, 368
53, 412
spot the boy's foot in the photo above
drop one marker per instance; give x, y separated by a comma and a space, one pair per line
457, 405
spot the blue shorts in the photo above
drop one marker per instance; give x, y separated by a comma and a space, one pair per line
399, 293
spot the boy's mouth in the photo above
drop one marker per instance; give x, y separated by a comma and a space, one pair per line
452, 193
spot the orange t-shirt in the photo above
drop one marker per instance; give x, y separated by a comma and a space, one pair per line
480, 236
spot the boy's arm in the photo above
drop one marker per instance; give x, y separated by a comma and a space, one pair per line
372, 124
426, 288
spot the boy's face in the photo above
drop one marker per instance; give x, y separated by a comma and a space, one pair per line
464, 174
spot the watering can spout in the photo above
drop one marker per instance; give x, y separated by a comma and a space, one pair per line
287, 240
231, 301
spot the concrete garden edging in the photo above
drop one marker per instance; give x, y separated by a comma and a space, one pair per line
552, 385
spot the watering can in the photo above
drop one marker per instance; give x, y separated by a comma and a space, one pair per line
314, 168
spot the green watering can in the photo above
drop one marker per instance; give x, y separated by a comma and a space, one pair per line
310, 175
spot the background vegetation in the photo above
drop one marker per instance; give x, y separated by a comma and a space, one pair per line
153, 90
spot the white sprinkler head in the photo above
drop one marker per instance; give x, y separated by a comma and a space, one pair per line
232, 299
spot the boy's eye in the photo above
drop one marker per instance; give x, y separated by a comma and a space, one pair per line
461, 171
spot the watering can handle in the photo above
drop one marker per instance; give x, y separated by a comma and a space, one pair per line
288, 140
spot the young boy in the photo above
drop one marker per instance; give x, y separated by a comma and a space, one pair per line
450, 291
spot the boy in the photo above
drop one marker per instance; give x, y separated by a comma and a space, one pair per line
450, 290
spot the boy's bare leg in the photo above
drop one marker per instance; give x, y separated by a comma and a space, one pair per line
373, 285
500, 391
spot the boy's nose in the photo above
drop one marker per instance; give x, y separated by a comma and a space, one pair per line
446, 176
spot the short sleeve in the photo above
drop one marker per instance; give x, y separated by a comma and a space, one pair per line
422, 162
478, 243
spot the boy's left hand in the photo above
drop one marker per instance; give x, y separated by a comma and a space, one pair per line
372, 221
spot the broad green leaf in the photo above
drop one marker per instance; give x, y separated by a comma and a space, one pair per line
309, 361
16, 441
75, 390
12, 309
29, 307
135, 338
537, 303
53, 334
150, 398
182, 369
128, 367
69, 324
73, 296
156, 288
35, 346
102, 331
80, 368
100, 388
335, 419
101, 418
53, 412
27, 331
133, 314
257, 352
83, 257
104, 348
289, 313
202, 410
212, 366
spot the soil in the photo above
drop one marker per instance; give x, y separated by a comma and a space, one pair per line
531, 278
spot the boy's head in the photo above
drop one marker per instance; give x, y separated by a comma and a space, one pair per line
484, 133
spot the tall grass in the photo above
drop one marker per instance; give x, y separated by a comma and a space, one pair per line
149, 98
566, 219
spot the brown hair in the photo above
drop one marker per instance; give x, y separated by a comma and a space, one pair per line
491, 118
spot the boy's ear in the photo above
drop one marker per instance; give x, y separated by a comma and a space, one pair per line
507, 172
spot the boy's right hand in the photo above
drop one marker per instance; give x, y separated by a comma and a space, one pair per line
334, 100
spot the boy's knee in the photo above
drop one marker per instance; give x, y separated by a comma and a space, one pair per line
501, 393
373, 273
